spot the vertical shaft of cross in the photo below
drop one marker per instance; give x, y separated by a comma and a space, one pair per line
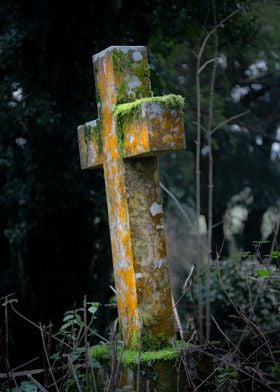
134, 204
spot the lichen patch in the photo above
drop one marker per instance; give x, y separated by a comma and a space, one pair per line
159, 263
155, 209
137, 56
133, 83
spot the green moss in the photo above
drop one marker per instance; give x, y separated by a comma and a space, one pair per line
100, 351
122, 94
148, 341
94, 131
154, 342
98, 100
130, 358
131, 109
121, 61
142, 70
142, 91
87, 133
126, 112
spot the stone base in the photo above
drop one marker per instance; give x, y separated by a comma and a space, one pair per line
161, 376
159, 370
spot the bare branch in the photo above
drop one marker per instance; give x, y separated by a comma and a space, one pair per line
229, 120
206, 63
220, 24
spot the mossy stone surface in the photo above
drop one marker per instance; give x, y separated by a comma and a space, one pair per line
131, 358
124, 113
95, 132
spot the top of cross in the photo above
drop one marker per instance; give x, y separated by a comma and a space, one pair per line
122, 76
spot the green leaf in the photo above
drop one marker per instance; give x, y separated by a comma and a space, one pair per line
263, 273
68, 317
93, 307
275, 254
70, 323
28, 386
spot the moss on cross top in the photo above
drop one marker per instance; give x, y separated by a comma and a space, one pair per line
132, 110
126, 112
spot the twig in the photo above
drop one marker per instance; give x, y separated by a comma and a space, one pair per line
229, 120
185, 287
207, 63
210, 181
23, 373
237, 368
225, 335
198, 193
177, 319
220, 24
47, 359
36, 326
74, 373
25, 363
40, 386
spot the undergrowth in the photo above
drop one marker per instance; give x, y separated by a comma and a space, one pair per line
242, 355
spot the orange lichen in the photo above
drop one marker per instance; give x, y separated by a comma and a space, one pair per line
133, 197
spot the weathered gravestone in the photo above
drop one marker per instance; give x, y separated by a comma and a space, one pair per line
132, 129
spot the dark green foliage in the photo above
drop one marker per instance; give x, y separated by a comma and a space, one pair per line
244, 298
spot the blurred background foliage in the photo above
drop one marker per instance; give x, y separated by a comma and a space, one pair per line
54, 239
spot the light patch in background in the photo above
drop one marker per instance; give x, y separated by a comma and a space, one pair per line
202, 225
275, 148
238, 92
257, 68
222, 61
236, 216
269, 222
21, 142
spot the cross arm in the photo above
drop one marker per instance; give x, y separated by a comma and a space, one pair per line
149, 126
90, 144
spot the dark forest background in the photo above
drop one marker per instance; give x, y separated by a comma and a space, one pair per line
54, 239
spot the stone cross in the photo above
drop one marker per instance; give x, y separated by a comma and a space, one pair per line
132, 129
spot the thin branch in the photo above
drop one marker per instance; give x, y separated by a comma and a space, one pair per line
210, 179
198, 194
238, 368
40, 386
201, 126
22, 373
74, 373
229, 120
188, 278
25, 363
207, 63
220, 24
47, 359
177, 319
